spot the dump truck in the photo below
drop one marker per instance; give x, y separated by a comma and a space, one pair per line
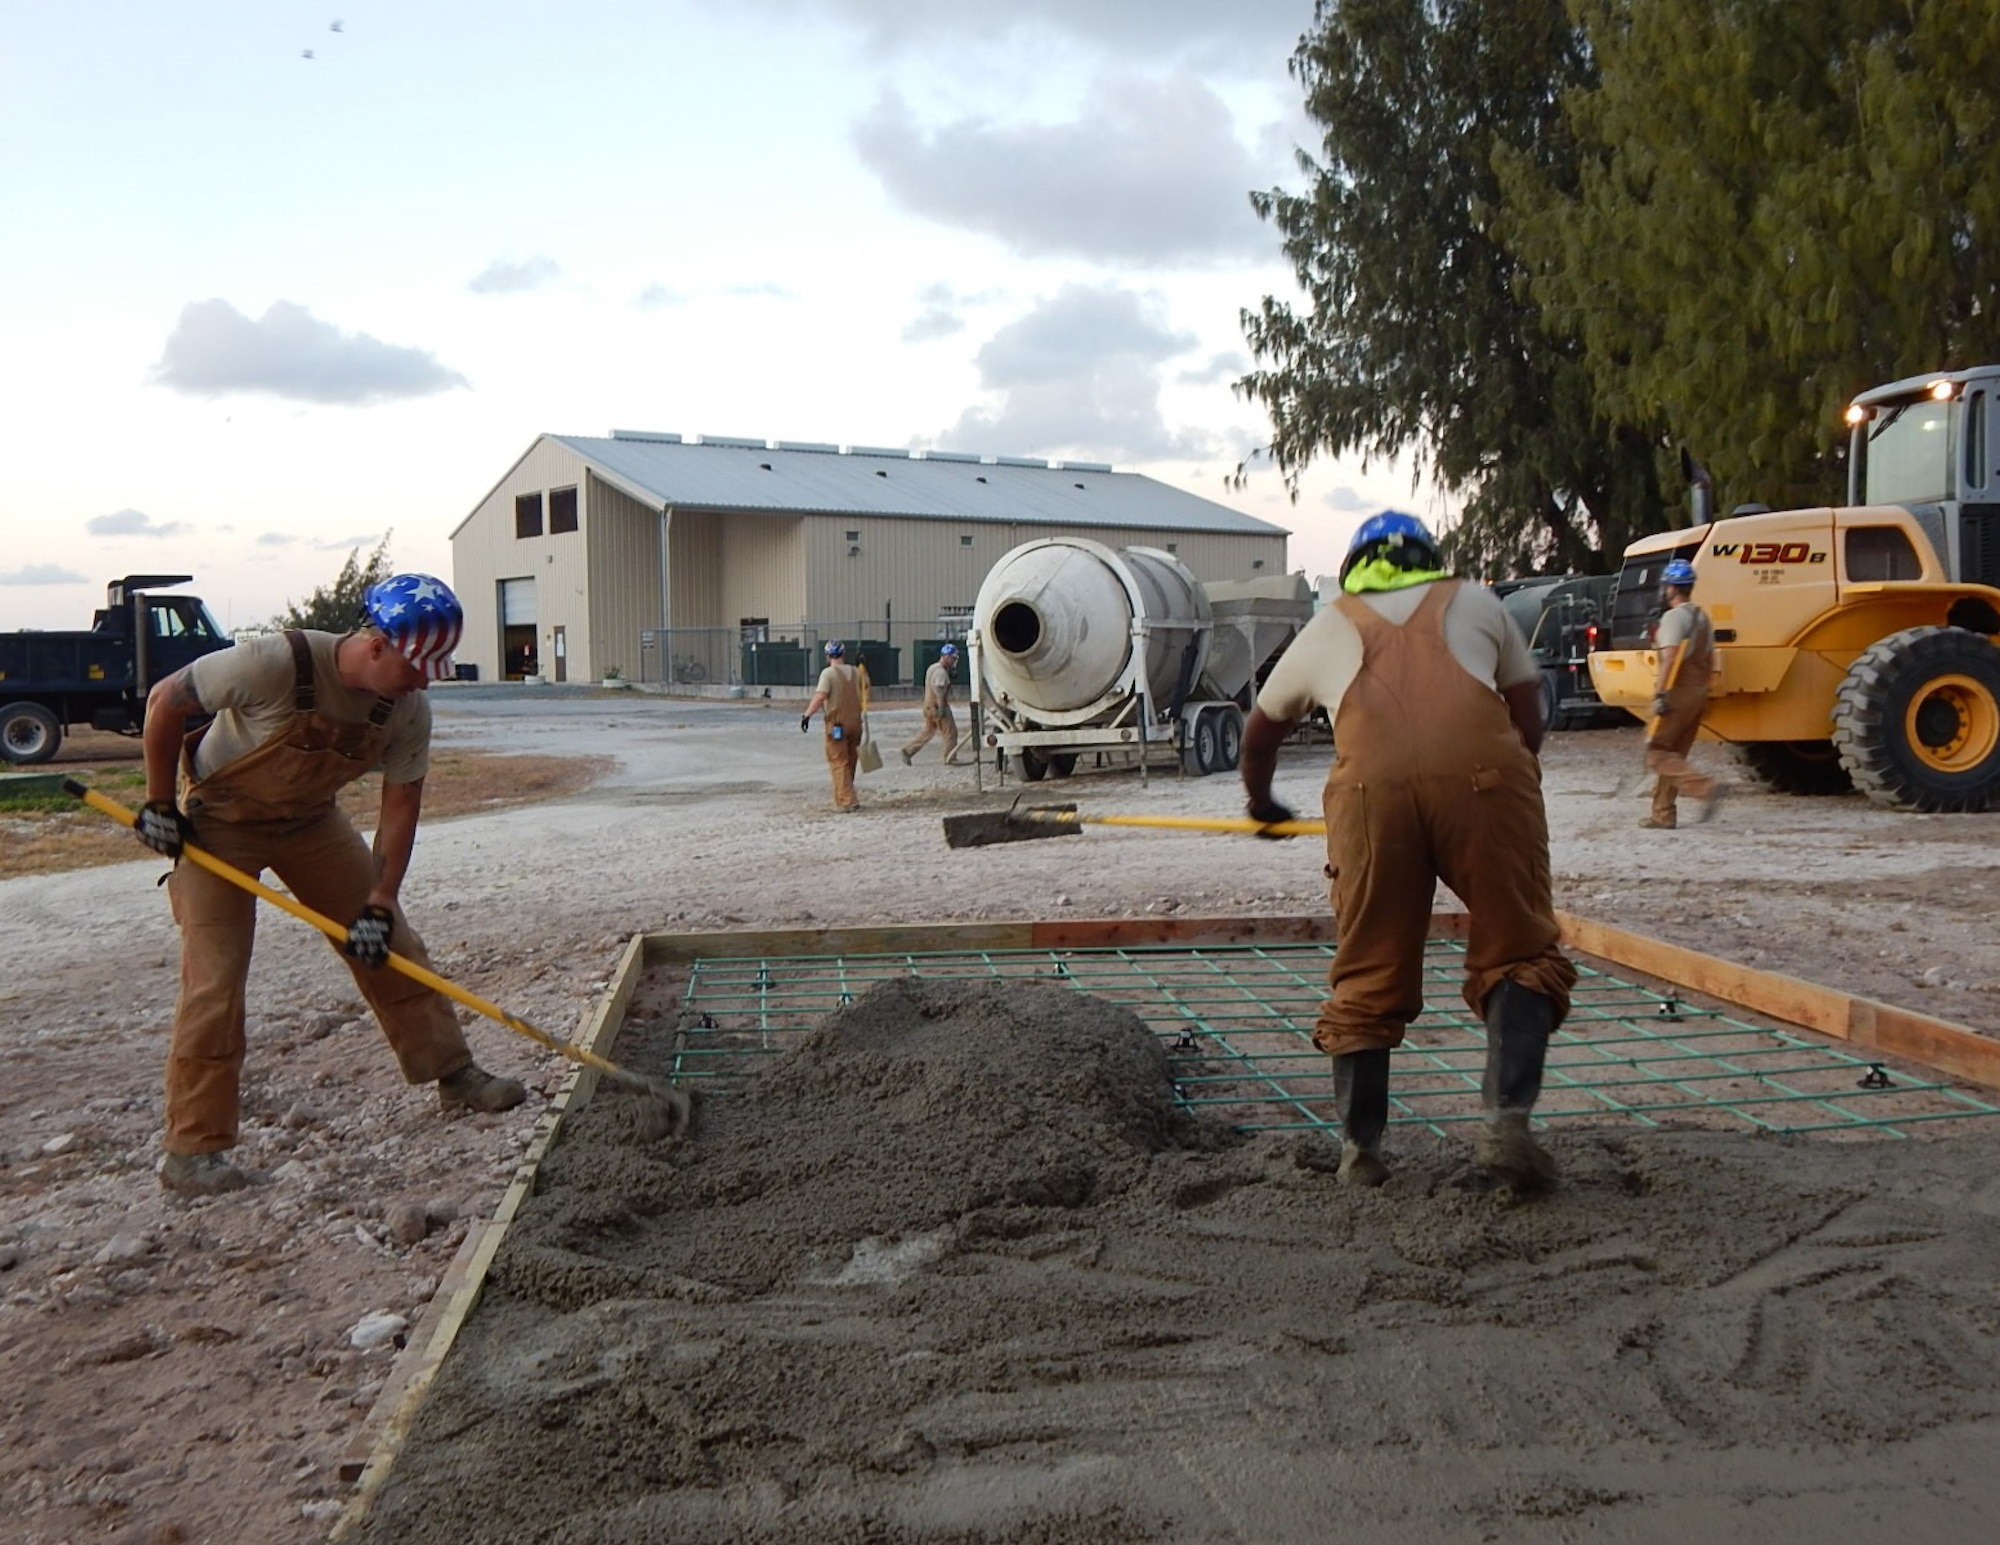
1078, 648
50, 681
1858, 647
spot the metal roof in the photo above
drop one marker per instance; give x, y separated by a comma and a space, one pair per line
787, 477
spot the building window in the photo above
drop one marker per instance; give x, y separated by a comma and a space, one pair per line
965, 541
754, 630
562, 510
854, 536
1173, 547
527, 515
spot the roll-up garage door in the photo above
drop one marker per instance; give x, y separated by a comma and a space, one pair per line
517, 603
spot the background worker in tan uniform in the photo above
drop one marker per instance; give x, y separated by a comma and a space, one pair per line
1685, 639
298, 716
938, 718
1436, 710
840, 693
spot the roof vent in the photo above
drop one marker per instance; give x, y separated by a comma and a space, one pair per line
900, 453
818, 447
1019, 461
971, 456
731, 442
656, 437
1084, 466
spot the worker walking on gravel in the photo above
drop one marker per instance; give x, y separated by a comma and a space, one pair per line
1685, 640
1435, 704
938, 718
297, 717
842, 692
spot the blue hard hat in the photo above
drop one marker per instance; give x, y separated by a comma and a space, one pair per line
1390, 529
947, 651
1677, 572
835, 649
420, 617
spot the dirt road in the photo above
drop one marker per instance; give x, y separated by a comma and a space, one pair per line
175, 1371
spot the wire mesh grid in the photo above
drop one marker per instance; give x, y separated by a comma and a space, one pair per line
1237, 1025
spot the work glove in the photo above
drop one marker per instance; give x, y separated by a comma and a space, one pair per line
163, 828
1270, 812
368, 936
1659, 705
805, 722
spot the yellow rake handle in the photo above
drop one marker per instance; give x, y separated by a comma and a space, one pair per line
1196, 823
338, 934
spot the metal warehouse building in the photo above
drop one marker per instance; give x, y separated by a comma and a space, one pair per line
720, 560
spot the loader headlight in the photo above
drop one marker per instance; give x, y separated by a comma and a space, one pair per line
1941, 391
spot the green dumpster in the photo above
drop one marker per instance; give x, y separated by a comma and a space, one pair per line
776, 663
883, 660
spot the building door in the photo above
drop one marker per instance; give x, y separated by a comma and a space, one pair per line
518, 655
561, 652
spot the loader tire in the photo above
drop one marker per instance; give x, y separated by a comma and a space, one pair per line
1917, 721
29, 733
1796, 766
1033, 768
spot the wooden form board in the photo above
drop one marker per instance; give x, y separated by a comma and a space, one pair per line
1939, 1044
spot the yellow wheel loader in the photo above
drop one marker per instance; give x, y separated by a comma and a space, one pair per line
1857, 647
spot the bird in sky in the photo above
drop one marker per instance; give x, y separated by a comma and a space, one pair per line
334, 28
307, 54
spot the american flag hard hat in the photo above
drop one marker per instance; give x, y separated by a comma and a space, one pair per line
420, 616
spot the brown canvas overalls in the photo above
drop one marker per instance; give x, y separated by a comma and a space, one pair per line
274, 807
1673, 734
1430, 781
843, 711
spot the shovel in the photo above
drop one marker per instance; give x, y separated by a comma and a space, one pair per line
982, 828
667, 1110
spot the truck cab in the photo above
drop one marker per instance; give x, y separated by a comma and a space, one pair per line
1856, 645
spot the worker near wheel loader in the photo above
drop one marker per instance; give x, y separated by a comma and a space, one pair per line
1685, 641
1435, 704
297, 717
841, 693
938, 718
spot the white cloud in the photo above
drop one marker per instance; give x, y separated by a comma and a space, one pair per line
503, 277
1079, 375
1348, 500
1150, 172
1225, 366
41, 574
215, 350
655, 297
276, 539
1251, 35
134, 523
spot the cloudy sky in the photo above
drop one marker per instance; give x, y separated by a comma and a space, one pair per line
263, 308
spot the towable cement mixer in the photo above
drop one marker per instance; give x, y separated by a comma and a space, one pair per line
1080, 648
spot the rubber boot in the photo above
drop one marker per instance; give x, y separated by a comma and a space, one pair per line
473, 1088
1519, 1022
1361, 1091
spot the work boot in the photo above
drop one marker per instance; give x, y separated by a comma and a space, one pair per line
1361, 1093
200, 1174
1519, 1022
1707, 805
473, 1088
1653, 823
906, 756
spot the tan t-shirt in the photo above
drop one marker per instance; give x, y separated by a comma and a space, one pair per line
841, 683
937, 685
1319, 665
249, 689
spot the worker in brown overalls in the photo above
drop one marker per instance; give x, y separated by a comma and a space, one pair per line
842, 694
938, 717
1685, 641
297, 717
1435, 704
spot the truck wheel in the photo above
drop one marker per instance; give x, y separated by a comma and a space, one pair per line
1062, 763
1230, 738
1207, 742
1796, 766
29, 733
1917, 721
1033, 768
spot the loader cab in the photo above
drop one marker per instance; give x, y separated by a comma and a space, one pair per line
1635, 604
1927, 444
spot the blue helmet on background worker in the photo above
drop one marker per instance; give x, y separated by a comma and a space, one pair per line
1678, 572
835, 649
1392, 541
421, 619
947, 651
